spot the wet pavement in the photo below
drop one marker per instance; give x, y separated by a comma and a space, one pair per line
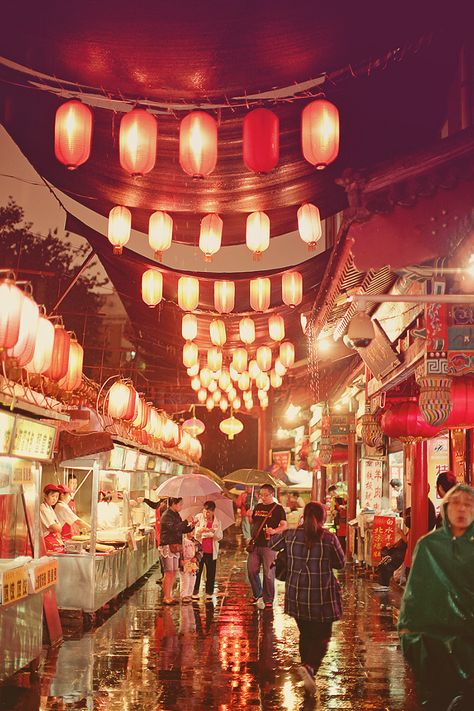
220, 655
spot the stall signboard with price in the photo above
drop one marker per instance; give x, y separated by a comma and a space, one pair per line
14, 584
7, 424
116, 458
33, 440
371, 484
44, 576
383, 534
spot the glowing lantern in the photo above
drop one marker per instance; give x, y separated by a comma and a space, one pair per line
196, 383
194, 370
247, 330
194, 426
43, 347
224, 296
244, 381
210, 235
287, 354
264, 404
254, 369
132, 409
152, 287
262, 394
239, 359
210, 404
264, 357
247, 395
237, 403
212, 386
216, 395
171, 434
231, 427
260, 294
155, 424
198, 144
292, 289
160, 232
309, 225
257, 234
11, 299
73, 378
190, 354
217, 332
188, 293
24, 349
223, 404
224, 380
234, 374
275, 379
118, 399
60, 357
120, 225
232, 394
189, 327
73, 134
143, 414
276, 327
214, 359
320, 133
261, 140
137, 142
262, 381
280, 369
202, 395
249, 404
205, 377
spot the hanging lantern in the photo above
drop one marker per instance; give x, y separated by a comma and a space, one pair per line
309, 225
193, 426
223, 404
120, 225
275, 379
249, 404
320, 133
370, 431
205, 377
210, 404
262, 395
73, 378
202, 395
217, 332
190, 354
239, 359
231, 427
210, 235
264, 404
214, 359
287, 354
224, 379
280, 369
196, 383
257, 234
73, 134
292, 289
212, 386
11, 299
160, 232
232, 394
254, 369
237, 404
276, 327
118, 399
262, 381
152, 287
234, 374
189, 327
24, 349
216, 395
325, 450
132, 409
435, 398
405, 422
198, 144
43, 347
247, 330
224, 296
264, 358
143, 414
244, 381
171, 434
137, 142
155, 424
194, 370
60, 358
261, 140
188, 293
260, 294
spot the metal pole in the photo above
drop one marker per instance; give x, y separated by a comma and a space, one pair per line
83, 266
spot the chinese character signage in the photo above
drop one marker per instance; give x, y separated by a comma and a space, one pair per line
14, 585
33, 440
44, 575
7, 422
383, 534
281, 460
371, 484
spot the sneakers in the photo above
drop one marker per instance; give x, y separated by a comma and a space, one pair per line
306, 675
260, 604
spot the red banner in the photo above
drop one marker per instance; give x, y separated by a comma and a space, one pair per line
282, 460
383, 534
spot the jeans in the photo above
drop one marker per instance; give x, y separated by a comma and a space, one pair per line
246, 532
314, 641
210, 564
262, 556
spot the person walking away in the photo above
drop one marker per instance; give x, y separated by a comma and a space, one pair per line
268, 518
208, 533
172, 528
436, 623
189, 566
340, 520
312, 593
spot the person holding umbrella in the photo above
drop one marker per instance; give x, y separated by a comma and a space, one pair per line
172, 528
208, 533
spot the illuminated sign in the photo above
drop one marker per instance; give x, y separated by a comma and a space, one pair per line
116, 458
33, 440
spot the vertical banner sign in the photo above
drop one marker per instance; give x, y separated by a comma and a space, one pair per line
282, 460
371, 480
383, 534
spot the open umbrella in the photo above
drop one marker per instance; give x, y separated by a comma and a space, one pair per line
251, 477
224, 508
188, 485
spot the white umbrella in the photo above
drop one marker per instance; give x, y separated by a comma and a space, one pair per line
188, 485
224, 508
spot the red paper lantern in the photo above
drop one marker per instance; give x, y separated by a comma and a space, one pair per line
261, 140
132, 407
320, 133
137, 142
260, 293
160, 232
73, 378
60, 359
188, 293
462, 403
257, 233
264, 358
210, 236
43, 347
152, 287
404, 421
11, 299
73, 134
198, 144
224, 296
118, 399
292, 288
24, 349
119, 227
309, 225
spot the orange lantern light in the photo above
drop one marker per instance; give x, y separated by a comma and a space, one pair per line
276, 327
237, 403
262, 394
194, 370
217, 332
247, 395
320, 133
60, 357
275, 379
160, 232
205, 377
309, 224
202, 395
231, 394
224, 296
249, 404
143, 414
279, 368
198, 144
261, 140
196, 383
132, 408
11, 299
189, 327
244, 381
118, 399
254, 369
224, 380
247, 330
210, 235
239, 359
292, 288
137, 142
73, 378
188, 293
216, 395
257, 234
190, 354
212, 386
43, 347
224, 404
260, 293
264, 358
171, 434
231, 427
24, 349
152, 287
73, 134
210, 404
234, 374
287, 354
214, 359
119, 229
262, 381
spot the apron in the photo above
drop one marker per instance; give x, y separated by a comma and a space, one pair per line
54, 543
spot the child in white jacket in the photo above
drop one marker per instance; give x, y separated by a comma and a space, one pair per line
189, 565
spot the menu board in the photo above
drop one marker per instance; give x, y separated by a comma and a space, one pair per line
116, 458
383, 534
14, 584
142, 462
44, 575
7, 421
32, 440
22, 472
371, 484
131, 459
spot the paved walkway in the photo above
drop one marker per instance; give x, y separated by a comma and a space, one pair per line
219, 656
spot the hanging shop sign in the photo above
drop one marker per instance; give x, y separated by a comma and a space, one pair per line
340, 427
32, 440
22, 472
379, 356
116, 458
383, 534
7, 422
371, 484
14, 584
282, 460
44, 575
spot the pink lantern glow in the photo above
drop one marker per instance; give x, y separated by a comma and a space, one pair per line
224, 296
260, 294
73, 134
24, 349
119, 228
198, 144
320, 133
160, 232
60, 357
43, 347
210, 235
137, 142
73, 378
309, 225
118, 400
11, 299
257, 234
292, 289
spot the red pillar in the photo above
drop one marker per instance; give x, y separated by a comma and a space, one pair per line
322, 485
314, 486
351, 478
419, 492
264, 421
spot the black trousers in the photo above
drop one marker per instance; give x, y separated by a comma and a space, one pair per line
210, 564
314, 641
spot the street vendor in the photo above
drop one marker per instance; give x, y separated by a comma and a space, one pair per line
69, 520
50, 525
108, 512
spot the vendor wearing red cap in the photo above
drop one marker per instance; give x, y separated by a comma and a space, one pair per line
66, 517
50, 526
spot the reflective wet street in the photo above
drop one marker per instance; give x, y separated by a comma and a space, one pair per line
220, 655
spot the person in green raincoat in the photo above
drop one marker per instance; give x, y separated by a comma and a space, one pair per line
436, 623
